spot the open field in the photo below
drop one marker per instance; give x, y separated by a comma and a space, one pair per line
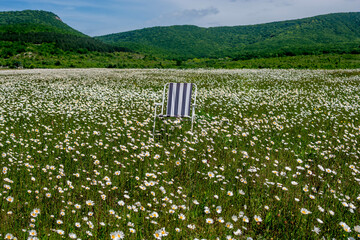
274, 155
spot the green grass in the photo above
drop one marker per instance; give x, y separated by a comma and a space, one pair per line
266, 143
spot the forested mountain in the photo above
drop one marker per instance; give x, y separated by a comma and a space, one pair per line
331, 33
45, 27
31, 39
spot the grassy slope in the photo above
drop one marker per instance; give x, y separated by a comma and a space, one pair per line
45, 27
309, 35
30, 21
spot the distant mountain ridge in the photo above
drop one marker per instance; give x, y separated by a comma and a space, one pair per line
337, 32
36, 26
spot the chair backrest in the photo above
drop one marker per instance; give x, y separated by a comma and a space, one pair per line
179, 99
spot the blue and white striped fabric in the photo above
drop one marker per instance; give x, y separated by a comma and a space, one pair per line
179, 98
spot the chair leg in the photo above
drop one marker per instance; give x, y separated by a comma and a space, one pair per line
192, 123
192, 118
154, 123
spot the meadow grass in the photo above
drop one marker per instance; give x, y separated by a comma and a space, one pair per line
274, 155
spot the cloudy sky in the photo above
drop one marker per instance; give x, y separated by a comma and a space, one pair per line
100, 17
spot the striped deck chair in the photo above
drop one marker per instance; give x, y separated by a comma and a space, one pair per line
178, 102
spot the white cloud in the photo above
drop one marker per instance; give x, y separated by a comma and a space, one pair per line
185, 16
244, 12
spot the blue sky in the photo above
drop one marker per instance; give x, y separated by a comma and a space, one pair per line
100, 17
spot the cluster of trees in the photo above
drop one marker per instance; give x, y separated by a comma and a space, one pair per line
48, 55
66, 42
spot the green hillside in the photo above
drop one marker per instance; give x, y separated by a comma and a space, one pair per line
39, 39
30, 21
331, 33
38, 27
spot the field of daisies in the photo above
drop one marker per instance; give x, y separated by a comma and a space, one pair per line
274, 155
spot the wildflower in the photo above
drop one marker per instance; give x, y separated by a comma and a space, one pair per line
209, 221
9, 236
345, 226
32, 233
182, 216
316, 230
90, 203
154, 215
72, 235
294, 183
319, 220
305, 211
157, 234
246, 219
163, 232
196, 202
218, 209
33, 214
36, 211
207, 210
117, 235
257, 218
229, 225
230, 193
10, 199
